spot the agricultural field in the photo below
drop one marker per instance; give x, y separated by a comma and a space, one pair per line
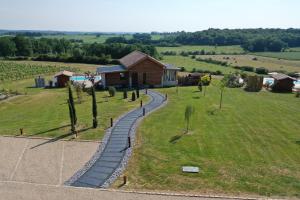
189, 64
14, 71
249, 147
281, 55
271, 64
89, 38
236, 49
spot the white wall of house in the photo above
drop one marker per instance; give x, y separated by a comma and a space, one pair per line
169, 78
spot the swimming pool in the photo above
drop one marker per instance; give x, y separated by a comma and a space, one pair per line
83, 78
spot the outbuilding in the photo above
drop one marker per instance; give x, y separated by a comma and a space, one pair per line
282, 83
62, 78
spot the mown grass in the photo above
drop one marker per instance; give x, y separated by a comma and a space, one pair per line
44, 112
189, 64
281, 55
218, 49
251, 146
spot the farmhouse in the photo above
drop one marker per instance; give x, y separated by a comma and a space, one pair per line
138, 70
283, 83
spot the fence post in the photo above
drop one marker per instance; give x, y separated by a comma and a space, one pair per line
124, 180
21, 131
146, 91
129, 142
166, 97
144, 111
141, 103
111, 122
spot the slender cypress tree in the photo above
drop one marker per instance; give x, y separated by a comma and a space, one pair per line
71, 99
71, 117
137, 92
95, 113
125, 93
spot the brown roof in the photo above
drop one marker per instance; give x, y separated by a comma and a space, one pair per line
136, 57
281, 77
65, 72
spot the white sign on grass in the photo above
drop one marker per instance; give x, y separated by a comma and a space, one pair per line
190, 169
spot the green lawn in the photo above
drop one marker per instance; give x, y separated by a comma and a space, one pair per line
218, 49
44, 112
281, 55
189, 63
251, 146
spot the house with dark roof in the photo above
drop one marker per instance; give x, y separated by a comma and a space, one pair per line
138, 69
282, 83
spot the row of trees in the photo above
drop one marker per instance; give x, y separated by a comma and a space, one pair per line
67, 50
249, 39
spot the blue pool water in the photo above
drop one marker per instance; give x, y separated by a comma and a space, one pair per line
83, 78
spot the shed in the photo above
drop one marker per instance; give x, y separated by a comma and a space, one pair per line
283, 83
62, 78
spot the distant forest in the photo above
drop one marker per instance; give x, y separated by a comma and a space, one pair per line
253, 40
63, 50
36, 45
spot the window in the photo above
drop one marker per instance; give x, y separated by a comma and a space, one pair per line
122, 76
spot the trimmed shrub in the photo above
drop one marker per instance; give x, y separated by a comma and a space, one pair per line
205, 80
133, 96
137, 93
125, 94
112, 91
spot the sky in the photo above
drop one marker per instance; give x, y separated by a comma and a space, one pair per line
147, 15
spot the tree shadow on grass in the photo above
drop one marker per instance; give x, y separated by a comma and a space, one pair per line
61, 137
50, 130
212, 111
176, 138
298, 142
52, 140
196, 97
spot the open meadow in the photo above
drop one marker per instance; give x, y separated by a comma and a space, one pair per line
234, 49
189, 64
280, 55
272, 64
250, 146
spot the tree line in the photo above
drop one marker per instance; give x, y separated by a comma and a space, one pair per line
49, 49
253, 40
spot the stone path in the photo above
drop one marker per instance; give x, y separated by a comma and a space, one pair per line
109, 162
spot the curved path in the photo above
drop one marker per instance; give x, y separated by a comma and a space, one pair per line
112, 156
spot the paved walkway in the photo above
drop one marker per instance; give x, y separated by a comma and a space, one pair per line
109, 162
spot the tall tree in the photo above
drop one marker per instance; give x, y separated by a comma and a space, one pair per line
71, 113
95, 113
7, 47
189, 110
71, 99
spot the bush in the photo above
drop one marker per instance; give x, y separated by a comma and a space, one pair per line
112, 91
247, 68
254, 83
182, 69
297, 95
233, 80
261, 70
205, 80
133, 96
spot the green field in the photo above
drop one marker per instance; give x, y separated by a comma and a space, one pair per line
251, 146
189, 64
44, 112
236, 49
91, 38
272, 64
280, 55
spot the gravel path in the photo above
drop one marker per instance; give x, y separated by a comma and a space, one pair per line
113, 154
